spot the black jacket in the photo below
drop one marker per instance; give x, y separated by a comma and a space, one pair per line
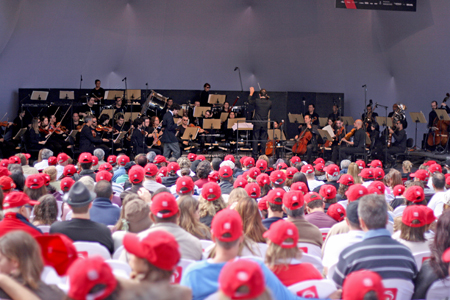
87, 140
137, 140
170, 128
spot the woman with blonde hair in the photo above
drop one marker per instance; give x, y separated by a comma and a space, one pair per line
354, 170
283, 255
190, 219
251, 219
52, 172
211, 202
235, 195
406, 169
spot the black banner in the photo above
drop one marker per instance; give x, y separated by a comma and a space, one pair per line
398, 5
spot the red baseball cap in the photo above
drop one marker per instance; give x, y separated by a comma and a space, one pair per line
378, 173
6, 183
254, 172
357, 284
184, 185
253, 190
355, 192
173, 166
112, 159
17, 199
293, 200
295, 159
240, 182
346, 179
337, 212
85, 157
159, 248
414, 194
373, 190
229, 157
332, 170
34, 181
66, 184
249, 162
319, 167
327, 191
226, 225
192, 156
62, 157
275, 196
159, 159
15, 160
261, 164
414, 216
238, 273
122, 160
4, 171
27, 155
378, 185
52, 161
105, 167
262, 204
213, 176
4, 163
158, 179
361, 164
46, 178
429, 214
421, 174
164, 205
429, 163
282, 166
278, 177
435, 168
299, 186
376, 164
225, 172
398, 190
69, 170
283, 234
84, 274
263, 179
103, 175
290, 172
136, 174
311, 196
319, 160
211, 191
150, 170
242, 159
162, 171
306, 169
200, 158
367, 173
57, 251
94, 160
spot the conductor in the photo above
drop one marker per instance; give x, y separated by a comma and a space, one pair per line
262, 104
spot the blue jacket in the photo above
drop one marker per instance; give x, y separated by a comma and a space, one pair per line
104, 212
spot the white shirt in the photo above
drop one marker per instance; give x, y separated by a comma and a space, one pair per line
367, 183
60, 170
41, 165
337, 243
437, 203
312, 184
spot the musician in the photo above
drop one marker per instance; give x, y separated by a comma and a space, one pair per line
192, 119
20, 122
357, 146
204, 96
180, 132
432, 115
120, 124
377, 142
313, 115
339, 132
118, 106
369, 116
335, 114
88, 108
98, 92
169, 129
138, 138
89, 139
154, 135
263, 105
399, 142
395, 109
312, 143
229, 133
35, 139
225, 107
51, 143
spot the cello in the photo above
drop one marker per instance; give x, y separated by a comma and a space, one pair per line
271, 144
302, 142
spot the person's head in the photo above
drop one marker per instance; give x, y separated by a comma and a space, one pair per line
434, 104
311, 108
153, 258
438, 181
20, 257
251, 218
197, 103
169, 102
120, 119
46, 212
227, 230
236, 195
206, 87
99, 153
137, 123
119, 101
314, 202
363, 285
399, 125
413, 224
190, 218
352, 217
175, 108
103, 189
215, 163
263, 93
46, 153
372, 211
307, 119
18, 179
97, 83
35, 187
203, 169
51, 171
440, 243
358, 124
282, 239
44, 121
75, 117
164, 208
141, 160
88, 120
415, 195
335, 109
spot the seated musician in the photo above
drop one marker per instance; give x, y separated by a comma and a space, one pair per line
398, 142
334, 114
138, 138
154, 133
58, 135
180, 132
35, 136
358, 143
89, 139
88, 108
313, 115
369, 117
312, 143
339, 132
20, 122
75, 123
192, 119
118, 106
225, 107
229, 133
98, 92
52, 143
120, 124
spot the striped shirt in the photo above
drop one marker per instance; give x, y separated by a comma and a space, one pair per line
380, 253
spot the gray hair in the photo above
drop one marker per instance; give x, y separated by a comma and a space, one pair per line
228, 163
345, 163
87, 119
46, 153
99, 153
332, 178
184, 163
372, 209
151, 156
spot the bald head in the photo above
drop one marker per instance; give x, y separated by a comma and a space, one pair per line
358, 123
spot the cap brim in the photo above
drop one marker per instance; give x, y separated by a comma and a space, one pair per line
33, 202
132, 244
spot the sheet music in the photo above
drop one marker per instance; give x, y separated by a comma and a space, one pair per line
329, 129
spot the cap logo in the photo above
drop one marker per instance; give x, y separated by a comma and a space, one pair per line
367, 282
339, 210
416, 214
164, 203
92, 275
242, 276
418, 193
294, 198
290, 232
279, 175
278, 194
65, 183
265, 181
211, 190
360, 192
135, 175
254, 189
227, 226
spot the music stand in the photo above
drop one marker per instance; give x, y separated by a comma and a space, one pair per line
120, 136
323, 121
442, 114
211, 124
231, 122
39, 95
384, 121
276, 134
72, 134
199, 111
190, 133
19, 134
417, 117
109, 112
133, 94
112, 95
347, 120
131, 115
294, 118
223, 116
325, 135
329, 129
216, 99
67, 95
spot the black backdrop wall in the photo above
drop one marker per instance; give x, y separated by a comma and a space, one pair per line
291, 45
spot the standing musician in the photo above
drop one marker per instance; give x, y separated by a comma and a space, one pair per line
312, 143
169, 129
313, 115
399, 145
369, 117
357, 146
89, 139
263, 105
204, 95
334, 114
98, 92
339, 132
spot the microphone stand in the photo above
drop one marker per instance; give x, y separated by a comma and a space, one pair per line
364, 123
240, 78
385, 132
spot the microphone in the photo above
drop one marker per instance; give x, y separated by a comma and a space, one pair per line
236, 68
376, 104
81, 77
124, 79
364, 85
370, 102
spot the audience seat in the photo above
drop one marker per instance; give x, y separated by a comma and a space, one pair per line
314, 260
117, 253
398, 211
206, 244
440, 289
86, 249
182, 265
321, 289
324, 232
119, 268
49, 276
310, 249
421, 257
44, 228
398, 289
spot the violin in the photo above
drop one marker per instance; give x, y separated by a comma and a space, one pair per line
192, 125
6, 124
348, 135
43, 130
337, 134
100, 128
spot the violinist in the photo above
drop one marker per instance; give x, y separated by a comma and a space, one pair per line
51, 142
313, 115
103, 124
369, 116
120, 124
98, 92
339, 134
312, 143
75, 123
399, 142
357, 145
89, 139
152, 128
35, 136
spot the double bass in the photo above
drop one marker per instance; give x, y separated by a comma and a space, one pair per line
439, 136
272, 144
302, 142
